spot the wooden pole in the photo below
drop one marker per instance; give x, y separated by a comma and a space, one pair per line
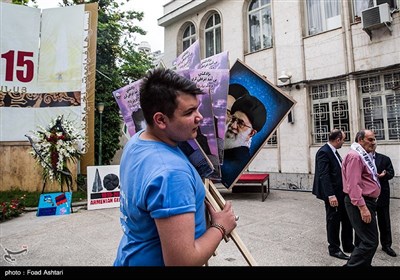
217, 201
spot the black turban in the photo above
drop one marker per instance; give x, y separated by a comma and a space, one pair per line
253, 108
237, 90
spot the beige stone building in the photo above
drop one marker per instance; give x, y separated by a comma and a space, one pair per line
341, 59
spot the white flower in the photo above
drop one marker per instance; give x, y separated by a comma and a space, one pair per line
57, 144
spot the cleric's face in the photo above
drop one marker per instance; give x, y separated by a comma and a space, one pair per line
238, 131
230, 101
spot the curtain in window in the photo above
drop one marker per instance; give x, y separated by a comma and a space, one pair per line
332, 8
360, 5
314, 14
213, 35
260, 24
266, 28
189, 36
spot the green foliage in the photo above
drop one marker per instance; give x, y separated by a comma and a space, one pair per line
117, 64
22, 2
13, 202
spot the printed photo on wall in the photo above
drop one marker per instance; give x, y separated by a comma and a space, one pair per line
102, 187
255, 108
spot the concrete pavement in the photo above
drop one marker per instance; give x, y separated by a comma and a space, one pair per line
287, 229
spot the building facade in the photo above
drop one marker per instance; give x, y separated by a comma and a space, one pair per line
337, 58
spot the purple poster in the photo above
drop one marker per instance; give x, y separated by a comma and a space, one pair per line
189, 58
206, 135
218, 61
128, 99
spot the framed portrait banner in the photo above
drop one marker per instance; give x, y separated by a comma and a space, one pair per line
256, 107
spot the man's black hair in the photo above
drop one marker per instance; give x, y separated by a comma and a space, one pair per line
159, 90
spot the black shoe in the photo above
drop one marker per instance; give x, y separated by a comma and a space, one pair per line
389, 251
340, 255
349, 250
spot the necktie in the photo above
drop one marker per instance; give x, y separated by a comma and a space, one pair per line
338, 156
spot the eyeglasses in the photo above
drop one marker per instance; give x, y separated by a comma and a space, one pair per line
240, 123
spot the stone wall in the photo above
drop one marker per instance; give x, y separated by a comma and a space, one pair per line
304, 182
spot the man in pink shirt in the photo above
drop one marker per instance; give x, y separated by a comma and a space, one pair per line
362, 189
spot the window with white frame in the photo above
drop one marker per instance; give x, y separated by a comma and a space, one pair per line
273, 140
330, 110
393, 4
213, 35
189, 36
359, 6
380, 104
322, 15
260, 25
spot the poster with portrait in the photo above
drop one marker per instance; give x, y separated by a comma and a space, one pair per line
128, 99
256, 107
214, 83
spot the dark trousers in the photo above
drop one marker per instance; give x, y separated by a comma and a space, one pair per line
367, 234
385, 231
336, 217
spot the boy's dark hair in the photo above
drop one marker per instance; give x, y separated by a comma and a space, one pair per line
159, 90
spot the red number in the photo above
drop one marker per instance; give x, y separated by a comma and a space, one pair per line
9, 57
25, 66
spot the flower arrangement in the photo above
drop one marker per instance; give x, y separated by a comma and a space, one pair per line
55, 146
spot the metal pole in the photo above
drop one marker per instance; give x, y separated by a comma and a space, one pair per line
101, 140
100, 108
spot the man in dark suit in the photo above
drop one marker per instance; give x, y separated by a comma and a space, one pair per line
329, 188
385, 173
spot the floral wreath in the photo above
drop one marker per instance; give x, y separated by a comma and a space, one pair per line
55, 146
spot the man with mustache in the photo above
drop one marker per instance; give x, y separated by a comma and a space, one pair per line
362, 189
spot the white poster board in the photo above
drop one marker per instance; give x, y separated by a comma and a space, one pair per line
102, 187
43, 56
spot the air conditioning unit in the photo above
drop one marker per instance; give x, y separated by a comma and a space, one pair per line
376, 17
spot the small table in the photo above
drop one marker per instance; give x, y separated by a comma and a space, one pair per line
247, 179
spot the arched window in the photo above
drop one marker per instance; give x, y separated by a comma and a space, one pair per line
260, 25
213, 35
189, 36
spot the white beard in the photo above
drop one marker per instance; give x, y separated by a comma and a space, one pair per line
233, 141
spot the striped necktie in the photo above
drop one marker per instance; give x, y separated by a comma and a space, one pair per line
338, 156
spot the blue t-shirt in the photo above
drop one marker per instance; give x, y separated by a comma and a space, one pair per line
157, 181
